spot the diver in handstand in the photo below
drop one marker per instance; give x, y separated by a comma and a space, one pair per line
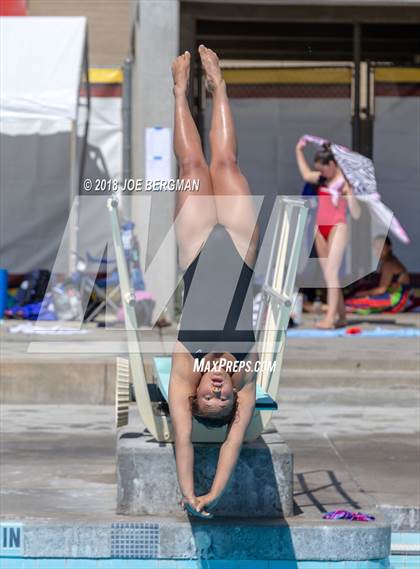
217, 236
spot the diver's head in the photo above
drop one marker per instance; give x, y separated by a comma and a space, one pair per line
215, 402
325, 163
382, 246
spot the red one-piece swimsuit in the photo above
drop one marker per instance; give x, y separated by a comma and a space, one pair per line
329, 215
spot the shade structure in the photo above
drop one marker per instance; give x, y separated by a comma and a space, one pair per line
43, 129
41, 64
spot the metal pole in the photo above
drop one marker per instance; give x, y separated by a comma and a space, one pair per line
127, 98
76, 167
73, 199
360, 254
357, 36
85, 72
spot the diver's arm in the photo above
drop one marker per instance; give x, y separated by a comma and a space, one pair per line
231, 448
385, 281
310, 176
352, 202
184, 453
180, 411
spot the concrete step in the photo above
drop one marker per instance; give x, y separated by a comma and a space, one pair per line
328, 358
261, 486
38, 368
92, 381
59, 382
324, 397
337, 377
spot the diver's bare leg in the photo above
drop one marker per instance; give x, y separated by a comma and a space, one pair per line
222, 132
197, 219
235, 209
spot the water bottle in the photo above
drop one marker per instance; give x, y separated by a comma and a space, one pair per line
127, 235
61, 301
67, 302
317, 307
298, 309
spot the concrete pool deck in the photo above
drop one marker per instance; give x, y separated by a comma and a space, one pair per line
58, 461
348, 409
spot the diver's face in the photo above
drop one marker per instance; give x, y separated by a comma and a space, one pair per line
328, 171
215, 393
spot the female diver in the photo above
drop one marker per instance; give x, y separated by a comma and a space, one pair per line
331, 225
217, 236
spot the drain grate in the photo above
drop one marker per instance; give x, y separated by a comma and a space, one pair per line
135, 540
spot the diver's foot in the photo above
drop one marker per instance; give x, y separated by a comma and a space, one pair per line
211, 67
341, 323
325, 325
181, 73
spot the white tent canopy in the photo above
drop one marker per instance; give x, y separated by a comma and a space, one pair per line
43, 136
41, 63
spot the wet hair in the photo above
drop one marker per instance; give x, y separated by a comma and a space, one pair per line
214, 422
384, 238
324, 155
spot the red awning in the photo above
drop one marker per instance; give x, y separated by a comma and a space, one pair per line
13, 8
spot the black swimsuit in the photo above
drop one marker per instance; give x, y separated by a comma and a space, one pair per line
217, 303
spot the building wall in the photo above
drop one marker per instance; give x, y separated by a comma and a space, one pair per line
109, 28
156, 45
397, 164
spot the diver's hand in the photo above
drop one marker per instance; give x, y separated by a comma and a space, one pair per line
207, 502
301, 143
194, 507
191, 500
347, 191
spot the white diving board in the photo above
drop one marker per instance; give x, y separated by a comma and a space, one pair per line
162, 368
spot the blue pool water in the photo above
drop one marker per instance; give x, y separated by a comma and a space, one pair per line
394, 562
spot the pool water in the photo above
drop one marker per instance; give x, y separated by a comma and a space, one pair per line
394, 562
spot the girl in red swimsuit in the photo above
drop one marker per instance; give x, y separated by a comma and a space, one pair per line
334, 197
